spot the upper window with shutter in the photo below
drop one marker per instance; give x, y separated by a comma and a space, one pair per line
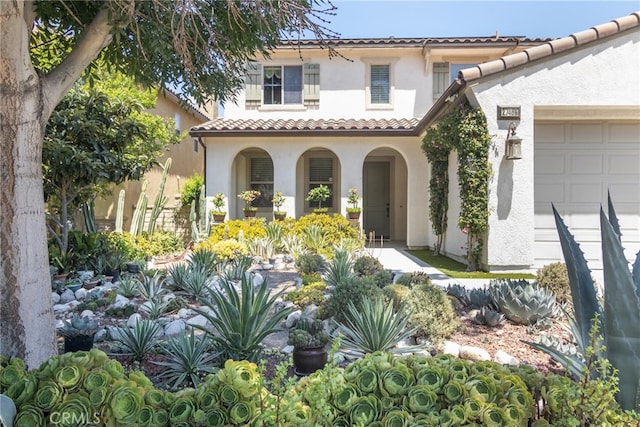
282, 85
443, 74
379, 83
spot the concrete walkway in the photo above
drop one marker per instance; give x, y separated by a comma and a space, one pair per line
395, 258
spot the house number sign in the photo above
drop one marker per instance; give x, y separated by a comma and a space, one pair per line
508, 113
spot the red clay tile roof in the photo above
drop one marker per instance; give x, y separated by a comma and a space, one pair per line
309, 126
540, 52
552, 47
417, 42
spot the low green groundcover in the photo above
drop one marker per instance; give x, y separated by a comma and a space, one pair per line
88, 388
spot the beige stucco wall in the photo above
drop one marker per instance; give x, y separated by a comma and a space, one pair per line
185, 162
603, 74
409, 167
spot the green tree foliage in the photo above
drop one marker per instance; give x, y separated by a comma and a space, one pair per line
199, 47
97, 136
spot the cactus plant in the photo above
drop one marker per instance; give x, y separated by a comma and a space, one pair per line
161, 200
308, 333
120, 212
618, 319
138, 214
523, 302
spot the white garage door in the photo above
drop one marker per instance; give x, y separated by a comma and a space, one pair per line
576, 163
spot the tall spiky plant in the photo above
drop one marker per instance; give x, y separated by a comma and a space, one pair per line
619, 319
161, 200
137, 221
120, 212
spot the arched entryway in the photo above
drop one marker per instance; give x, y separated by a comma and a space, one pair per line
317, 166
384, 198
252, 169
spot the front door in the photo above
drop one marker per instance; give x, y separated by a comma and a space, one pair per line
376, 208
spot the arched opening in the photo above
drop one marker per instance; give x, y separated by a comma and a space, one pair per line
252, 169
315, 167
384, 198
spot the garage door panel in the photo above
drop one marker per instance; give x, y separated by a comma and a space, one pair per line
549, 164
576, 165
623, 133
625, 162
581, 133
588, 164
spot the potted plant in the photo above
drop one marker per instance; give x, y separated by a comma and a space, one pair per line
319, 194
353, 211
249, 196
78, 333
114, 265
218, 208
278, 201
309, 340
64, 263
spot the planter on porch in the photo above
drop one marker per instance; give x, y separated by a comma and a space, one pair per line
250, 212
353, 213
219, 216
279, 215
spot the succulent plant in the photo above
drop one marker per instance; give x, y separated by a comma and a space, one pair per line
478, 298
458, 291
487, 316
80, 325
308, 333
618, 320
523, 302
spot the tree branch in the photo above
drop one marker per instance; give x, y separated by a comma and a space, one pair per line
95, 38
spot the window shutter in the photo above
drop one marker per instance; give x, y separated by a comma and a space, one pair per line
380, 84
293, 85
320, 169
253, 86
440, 78
261, 169
311, 85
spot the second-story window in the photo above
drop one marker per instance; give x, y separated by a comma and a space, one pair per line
282, 85
380, 84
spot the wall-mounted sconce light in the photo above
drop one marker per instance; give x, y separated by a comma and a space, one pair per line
514, 143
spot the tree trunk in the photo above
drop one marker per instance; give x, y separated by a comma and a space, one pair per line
26, 313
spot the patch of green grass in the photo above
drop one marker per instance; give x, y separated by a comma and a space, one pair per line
458, 270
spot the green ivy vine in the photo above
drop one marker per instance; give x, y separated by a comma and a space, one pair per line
464, 130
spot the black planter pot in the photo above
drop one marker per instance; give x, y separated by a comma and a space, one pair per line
132, 267
78, 343
115, 273
309, 360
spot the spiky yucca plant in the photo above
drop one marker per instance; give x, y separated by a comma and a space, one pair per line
189, 360
140, 339
619, 318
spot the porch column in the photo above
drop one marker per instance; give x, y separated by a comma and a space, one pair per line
218, 167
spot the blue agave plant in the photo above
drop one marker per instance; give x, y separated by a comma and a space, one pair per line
618, 318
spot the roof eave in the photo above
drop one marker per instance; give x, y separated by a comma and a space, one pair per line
441, 106
204, 133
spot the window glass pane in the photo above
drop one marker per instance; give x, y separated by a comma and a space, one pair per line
293, 85
380, 84
262, 180
321, 173
272, 85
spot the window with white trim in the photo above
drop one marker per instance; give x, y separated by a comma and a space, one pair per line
261, 179
272, 85
380, 84
321, 173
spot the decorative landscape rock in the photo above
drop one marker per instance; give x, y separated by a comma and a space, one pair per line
61, 308
80, 294
121, 302
475, 354
292, 319
452, 348
55, 298
198, 320
88, 313
183, 313
67, 296
133, 319
505, 358
176, 327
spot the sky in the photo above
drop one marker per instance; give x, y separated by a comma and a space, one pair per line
456, 18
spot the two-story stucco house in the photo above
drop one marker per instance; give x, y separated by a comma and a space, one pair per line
357, 121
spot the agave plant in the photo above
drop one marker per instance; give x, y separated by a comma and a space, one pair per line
140, 339
523, 302
189, 359
374, 327
478, 297
128, 285
155, 307
237, 267
77, 326
204, 259
198, 281
177, 274
242, 319
489, 317
340, 268
619, 318
151, 287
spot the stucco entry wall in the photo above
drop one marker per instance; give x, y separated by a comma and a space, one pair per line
351, 152
602, 74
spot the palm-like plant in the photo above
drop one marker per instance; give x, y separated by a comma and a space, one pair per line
151, 287
189, 360
140, 339
340, 269
177, 274
204, 258
198, 281
242, 320
372, 327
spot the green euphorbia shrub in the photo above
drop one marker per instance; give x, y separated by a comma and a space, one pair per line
312, 293
431, 312
238, 229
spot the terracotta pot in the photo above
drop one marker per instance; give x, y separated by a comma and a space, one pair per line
309, 360
219, 217
279, 216
353, 215
250, 213
90, 284
60, 276
78, 343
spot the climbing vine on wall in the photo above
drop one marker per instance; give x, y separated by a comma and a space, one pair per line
464, 130
437, 145
474, 172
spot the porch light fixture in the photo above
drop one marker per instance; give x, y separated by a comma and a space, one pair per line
514, 143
